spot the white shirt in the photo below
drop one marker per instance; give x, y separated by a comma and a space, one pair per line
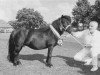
84, 36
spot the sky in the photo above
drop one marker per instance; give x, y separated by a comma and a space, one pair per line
49, 9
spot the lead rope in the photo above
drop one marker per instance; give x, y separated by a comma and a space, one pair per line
77, 40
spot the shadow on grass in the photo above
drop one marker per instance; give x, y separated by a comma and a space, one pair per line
39, 57
85, 70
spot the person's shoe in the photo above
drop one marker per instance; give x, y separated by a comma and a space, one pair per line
94, 69
88, 61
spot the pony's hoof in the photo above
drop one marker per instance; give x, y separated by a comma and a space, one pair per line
49, 65
17, 63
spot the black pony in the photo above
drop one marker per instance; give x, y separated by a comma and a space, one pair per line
36, 39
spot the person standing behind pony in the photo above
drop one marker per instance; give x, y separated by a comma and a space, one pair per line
89, 54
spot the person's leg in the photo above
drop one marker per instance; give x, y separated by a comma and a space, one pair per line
94, 53
95, 63
88, 58
80, 56
88, 61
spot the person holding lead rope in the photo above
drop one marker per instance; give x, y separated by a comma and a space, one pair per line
91, 47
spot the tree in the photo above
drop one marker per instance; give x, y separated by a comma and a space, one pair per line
28, 18
81, 12
96, 8
95, 15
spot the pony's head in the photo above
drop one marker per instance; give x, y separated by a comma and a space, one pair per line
62, 23
65, 22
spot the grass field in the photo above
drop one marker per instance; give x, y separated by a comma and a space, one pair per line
33, 62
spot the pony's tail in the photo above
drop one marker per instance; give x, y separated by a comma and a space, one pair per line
11, 47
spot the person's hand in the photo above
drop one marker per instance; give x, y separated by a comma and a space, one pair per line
88, 46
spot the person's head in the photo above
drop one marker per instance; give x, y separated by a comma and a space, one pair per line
93, 25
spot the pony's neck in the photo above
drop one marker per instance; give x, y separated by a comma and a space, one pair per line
56, 26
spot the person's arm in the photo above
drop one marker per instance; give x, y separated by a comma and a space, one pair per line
78, 34
88, 46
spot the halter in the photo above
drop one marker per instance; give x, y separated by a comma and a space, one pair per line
63, 26
67, 27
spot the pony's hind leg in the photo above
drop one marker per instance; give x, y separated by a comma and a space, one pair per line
14, 56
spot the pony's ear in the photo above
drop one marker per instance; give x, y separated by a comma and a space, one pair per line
62, 15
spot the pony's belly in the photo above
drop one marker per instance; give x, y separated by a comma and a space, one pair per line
37, 45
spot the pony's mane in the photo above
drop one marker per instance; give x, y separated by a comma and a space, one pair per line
44, 29
56, 23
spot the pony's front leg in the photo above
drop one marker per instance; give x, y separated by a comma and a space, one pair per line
48, 60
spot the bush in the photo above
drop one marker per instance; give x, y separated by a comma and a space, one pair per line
28, 18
